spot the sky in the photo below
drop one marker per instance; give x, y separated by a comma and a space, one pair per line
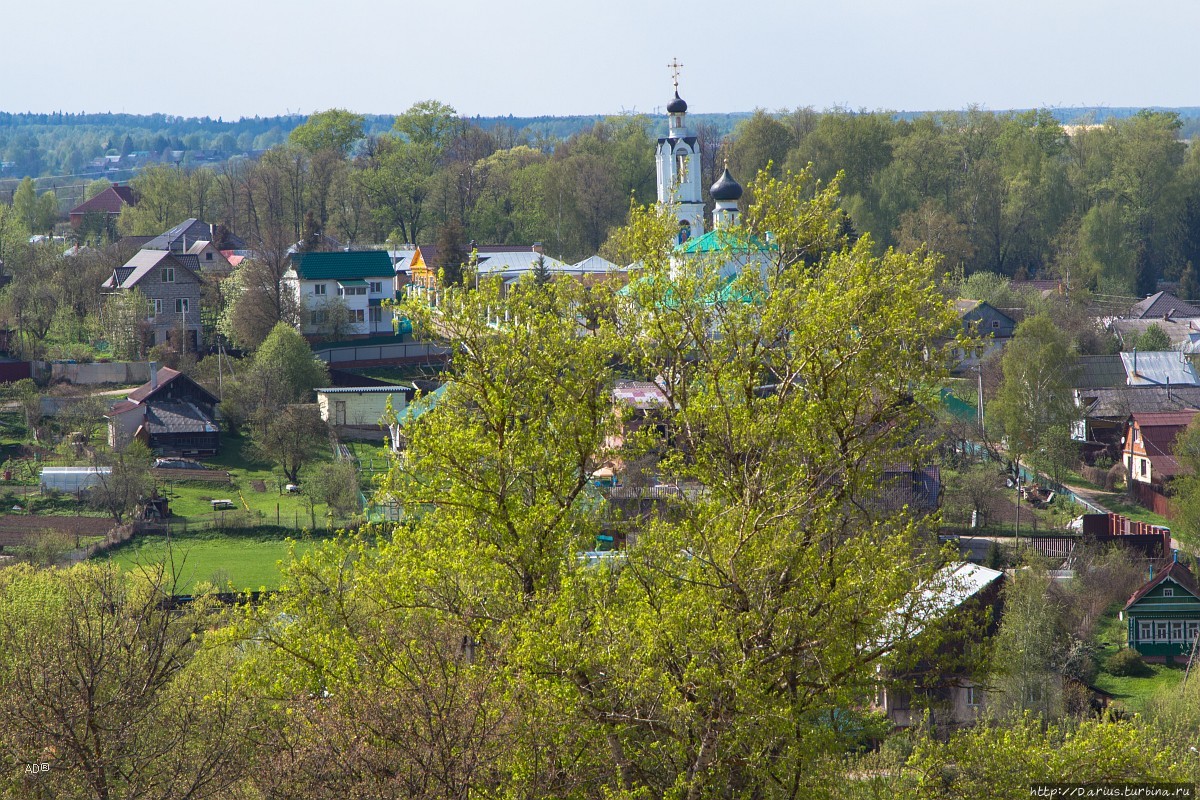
227, 58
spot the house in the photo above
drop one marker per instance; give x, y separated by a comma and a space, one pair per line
960, 603
1105, 411
1182, 333
171, 413
341, 294
1160, 368
361, 409
1163, 615
506, 261
172, 284
1097, 372
1148, 447
1163, 306
206, 241
986, 322
110, 202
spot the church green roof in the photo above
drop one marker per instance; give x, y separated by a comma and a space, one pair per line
342, 266
722, 241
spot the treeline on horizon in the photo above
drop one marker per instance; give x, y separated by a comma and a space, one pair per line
1113, 207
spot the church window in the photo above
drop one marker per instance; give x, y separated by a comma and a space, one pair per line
685, 231
681, 167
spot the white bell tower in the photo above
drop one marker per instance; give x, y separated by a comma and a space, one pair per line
678, 162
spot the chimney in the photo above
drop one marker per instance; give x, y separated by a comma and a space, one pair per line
1135, 372
153, 375
1174, 556
1167, 317
538, 248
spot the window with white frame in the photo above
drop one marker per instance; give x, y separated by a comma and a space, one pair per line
1177, 631
1162, 631
1168, 592
319, 288
318, 318
1193, 628
1145, 630
157, 308
376, 287
181, 305
351, 291
168, 275
357, 315
972, 696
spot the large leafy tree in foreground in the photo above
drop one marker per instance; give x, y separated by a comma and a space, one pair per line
714, 654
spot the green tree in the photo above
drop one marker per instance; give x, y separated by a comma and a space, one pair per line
335, 485
127, 483
1026, 654
334, 130
1035, 401
1153, 339
290, 437
283, 371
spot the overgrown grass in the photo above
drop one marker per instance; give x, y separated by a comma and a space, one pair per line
1119, 503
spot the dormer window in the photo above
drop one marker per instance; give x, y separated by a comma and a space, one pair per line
1168, 592
168, 275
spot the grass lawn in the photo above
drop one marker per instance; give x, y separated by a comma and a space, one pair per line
1119, 502
1133, 692
193, 499
243, 561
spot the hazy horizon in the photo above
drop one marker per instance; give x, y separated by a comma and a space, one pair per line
233, 60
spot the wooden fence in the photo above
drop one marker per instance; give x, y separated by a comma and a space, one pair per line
214, 475
1153, 500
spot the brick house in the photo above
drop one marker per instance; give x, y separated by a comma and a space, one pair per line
171, 283
1148, 447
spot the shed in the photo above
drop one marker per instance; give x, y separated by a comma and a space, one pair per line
361, 406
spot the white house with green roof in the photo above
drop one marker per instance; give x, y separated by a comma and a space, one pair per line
341, 294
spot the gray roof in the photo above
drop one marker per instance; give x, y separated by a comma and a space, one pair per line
1163, 305
1099, 371
136, 268
1118, 403
1179, 331
185, 233
407, 391
1159, 369
596, 264
176, 417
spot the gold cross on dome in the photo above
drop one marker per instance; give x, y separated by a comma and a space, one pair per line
675, 66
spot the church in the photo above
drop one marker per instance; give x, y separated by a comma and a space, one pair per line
678, 166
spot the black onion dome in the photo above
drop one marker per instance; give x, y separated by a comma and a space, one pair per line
726, 188
676, 106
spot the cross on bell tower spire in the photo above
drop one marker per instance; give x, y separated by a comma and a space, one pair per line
675, 66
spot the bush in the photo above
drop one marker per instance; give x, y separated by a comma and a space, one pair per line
1126, 662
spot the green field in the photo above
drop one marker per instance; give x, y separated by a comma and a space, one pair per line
237, 561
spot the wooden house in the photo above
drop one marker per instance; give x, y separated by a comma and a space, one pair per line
171, 413
1148, 447
1163, 615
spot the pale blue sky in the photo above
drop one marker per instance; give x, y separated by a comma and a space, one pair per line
526, 57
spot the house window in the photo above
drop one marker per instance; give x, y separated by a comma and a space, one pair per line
1145, 631
168, 275
374, 314
1193, 628
376, 287
181, 305
1162, 631
208, 256
972, 696
1142, 462
318, 318
1177, 631
995, 323
319, 289
357, 315
1168, 593
157, 308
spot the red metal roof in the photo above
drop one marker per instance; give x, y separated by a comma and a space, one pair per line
1176, 571
110, 201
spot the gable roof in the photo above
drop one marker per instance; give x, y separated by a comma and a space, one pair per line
952, 586
596, 263
109, 201
1119, 402
1165, 367
343, 265
1159, 432
183, 235
166, 375
1094, 372
1163, 304
138, 267
173, 416
1174, 571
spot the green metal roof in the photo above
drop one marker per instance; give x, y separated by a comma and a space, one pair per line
351, 282
342, 266
722, 241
